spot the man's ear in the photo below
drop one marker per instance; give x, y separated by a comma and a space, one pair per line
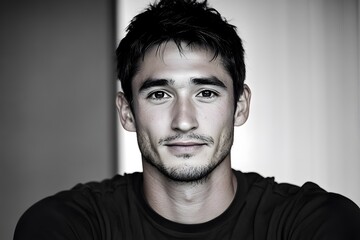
242, 107
125, 114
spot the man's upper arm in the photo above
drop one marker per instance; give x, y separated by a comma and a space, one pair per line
52, 219
336, 218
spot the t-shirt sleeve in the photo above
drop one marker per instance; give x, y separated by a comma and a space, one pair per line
335, 218
54, 218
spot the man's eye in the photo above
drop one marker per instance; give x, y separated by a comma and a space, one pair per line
158, 95
207, 94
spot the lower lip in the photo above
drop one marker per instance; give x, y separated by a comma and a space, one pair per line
181, 150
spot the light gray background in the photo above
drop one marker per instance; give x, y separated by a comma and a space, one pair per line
302, 60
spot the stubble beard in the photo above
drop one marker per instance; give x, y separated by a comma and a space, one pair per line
186, 174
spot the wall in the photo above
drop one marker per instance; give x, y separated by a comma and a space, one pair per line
302, 62
56, 100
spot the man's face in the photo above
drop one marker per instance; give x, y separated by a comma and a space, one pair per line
183, 111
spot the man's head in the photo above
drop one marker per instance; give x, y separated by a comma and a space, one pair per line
181, 21
182, 72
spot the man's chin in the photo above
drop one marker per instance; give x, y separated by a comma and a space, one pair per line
185, 168
186, 174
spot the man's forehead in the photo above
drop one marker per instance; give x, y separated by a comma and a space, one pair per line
170, 49
172, 62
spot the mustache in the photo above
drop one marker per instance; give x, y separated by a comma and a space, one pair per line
203, 138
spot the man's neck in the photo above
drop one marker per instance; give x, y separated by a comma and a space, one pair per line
190, 203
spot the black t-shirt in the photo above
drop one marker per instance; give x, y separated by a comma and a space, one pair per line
262, 209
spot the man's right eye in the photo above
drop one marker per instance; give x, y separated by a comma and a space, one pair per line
158, 95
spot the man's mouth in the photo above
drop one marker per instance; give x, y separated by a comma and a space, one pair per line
180, 148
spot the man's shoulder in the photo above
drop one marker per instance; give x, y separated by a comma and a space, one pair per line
285, 192
81, 206
268, 185
118, 185
307, 210
110, 185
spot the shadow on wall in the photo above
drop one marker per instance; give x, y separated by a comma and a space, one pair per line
56, 100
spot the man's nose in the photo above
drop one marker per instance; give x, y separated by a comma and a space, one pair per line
184, 117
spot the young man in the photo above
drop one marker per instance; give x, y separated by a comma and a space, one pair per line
182, 70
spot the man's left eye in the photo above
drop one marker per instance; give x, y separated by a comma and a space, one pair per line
207, 94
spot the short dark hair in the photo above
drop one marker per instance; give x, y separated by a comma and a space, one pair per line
181, 21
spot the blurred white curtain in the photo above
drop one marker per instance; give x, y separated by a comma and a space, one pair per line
303, 68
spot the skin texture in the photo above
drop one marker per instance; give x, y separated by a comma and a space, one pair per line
184, 117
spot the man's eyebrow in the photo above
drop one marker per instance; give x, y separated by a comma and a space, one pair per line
151, 82
208, 81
